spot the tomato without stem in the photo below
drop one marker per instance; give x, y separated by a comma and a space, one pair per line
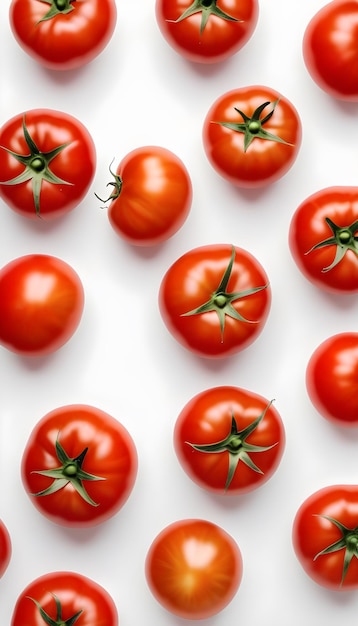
323, 239
229, 440
64, 598
332, 378
207, 31
215, 300
5, 548
194, 568
252, 136
47, 163
79, 465
330, 49
325, 537
41, 304
151, 198
63, 34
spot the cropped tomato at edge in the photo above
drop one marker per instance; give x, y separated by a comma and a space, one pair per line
229, 440
5, 548
323, 239
79, 466
63, 597
194, 568
63, 34
207, 32
252, 136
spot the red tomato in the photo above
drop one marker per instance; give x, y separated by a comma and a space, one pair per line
79, 466
193, 568
332, 378
229, 440
5, 548
325, 537
330, 49
207, 31
41, 304
47, 163
152, 196
215, 300
63, 34
323, 239
252, 136
64, 598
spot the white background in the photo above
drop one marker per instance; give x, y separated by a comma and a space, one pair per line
123, 360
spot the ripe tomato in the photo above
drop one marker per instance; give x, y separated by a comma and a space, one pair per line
330, 49
47, 163
207, 31
66, 34
193, 568
62, 598
5, 548
325, 536
41, 304
229, 440
215, 300
79, 466
252, 136
331, 379
152, 196
323, 239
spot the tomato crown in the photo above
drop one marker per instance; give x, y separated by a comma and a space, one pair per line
56, 7
206, 8
344, 238
58, 621
348, 542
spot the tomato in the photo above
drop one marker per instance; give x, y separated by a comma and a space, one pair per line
323, 239
330, 49
41, 304
47, 163
252, 136
151, 198
193, 568
79, 465
63, 34
5, 548
215, 300
207, 31
325, 536
64, 598
229, 440
332, 377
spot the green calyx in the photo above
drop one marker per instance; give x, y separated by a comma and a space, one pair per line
253, 127
348, 542
236, 446
37, 167
69, 472
116, 184
344, 238
206, 8
221, 301
57, 7
58, 621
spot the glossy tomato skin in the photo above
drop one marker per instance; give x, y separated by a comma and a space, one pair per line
207, 419
309, 228
330, 49
312, 533
192, 279
66, 41
265, 161
5, 548
111, 458
332, 378
220, 38
41, 304
75, 593
154, 198
194, 568
75, 165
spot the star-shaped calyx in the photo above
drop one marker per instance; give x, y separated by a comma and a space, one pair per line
343, 237
348, 542
58, 621
206, 8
